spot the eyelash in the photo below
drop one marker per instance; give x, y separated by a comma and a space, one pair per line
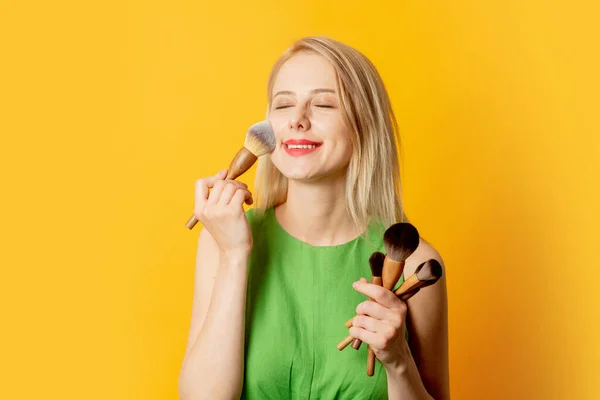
322, 106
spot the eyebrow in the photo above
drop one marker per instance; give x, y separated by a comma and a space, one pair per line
312, 91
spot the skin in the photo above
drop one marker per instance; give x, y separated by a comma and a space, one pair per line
309, 108
305, 105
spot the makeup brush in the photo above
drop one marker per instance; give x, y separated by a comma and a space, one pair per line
426, 274
260, 140
376, 262
400, 241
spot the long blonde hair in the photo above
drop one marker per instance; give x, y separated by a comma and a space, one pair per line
373, 187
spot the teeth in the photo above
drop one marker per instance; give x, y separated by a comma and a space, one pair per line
301, 146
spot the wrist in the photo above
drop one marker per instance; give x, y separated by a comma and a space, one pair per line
402, 362
234, 256
397, 368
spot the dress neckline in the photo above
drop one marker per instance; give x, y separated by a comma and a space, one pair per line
271, 212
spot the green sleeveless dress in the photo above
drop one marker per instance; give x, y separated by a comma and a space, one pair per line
299, 297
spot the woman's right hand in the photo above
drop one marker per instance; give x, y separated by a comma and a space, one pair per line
221, 211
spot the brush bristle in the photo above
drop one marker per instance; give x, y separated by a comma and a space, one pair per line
429, 271
400, 241
376, 262
260, 138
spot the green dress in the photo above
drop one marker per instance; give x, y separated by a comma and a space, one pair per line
299, 297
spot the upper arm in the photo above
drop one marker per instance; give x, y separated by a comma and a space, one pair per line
207, 264
427, 323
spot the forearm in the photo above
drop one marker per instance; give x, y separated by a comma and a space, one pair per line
215, 364
404, 381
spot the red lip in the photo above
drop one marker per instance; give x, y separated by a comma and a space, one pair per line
300, 152
301, 141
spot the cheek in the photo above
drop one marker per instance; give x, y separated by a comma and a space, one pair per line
347, 147
278, 120
280, 125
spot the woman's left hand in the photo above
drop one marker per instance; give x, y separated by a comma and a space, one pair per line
381, 324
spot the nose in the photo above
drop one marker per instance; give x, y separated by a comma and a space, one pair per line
299, 120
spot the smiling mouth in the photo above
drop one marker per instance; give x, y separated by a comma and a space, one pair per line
302, 146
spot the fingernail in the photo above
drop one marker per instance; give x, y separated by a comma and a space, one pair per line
355, 285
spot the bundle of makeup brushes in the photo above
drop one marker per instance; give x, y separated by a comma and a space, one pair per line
400, 241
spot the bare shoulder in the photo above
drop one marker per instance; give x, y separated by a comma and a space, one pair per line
425, 251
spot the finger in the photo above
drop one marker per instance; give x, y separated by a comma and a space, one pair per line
241, 196
370, 324
378, 293
215, 193
227, 193
376, 310
222, 173
370, 338
203, 185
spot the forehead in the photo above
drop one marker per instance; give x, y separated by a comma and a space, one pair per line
304, 72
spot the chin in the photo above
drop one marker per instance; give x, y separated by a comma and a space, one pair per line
307, 176
298, 175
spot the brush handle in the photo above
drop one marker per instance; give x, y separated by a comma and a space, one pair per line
408, 295
342, 345
241, 163
370, 362
412, 282
392, 270
376, 280
349, 322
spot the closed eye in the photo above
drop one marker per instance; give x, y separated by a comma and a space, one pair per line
324, 106
280, 107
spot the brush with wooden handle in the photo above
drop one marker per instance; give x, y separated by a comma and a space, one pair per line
426, 274
400, 241
260, 140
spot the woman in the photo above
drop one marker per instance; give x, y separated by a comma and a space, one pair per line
274, 285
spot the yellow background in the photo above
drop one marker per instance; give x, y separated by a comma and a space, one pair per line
111, 110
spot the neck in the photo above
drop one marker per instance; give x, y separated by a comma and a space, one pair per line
315, 213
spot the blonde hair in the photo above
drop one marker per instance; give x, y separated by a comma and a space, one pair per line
372, 185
